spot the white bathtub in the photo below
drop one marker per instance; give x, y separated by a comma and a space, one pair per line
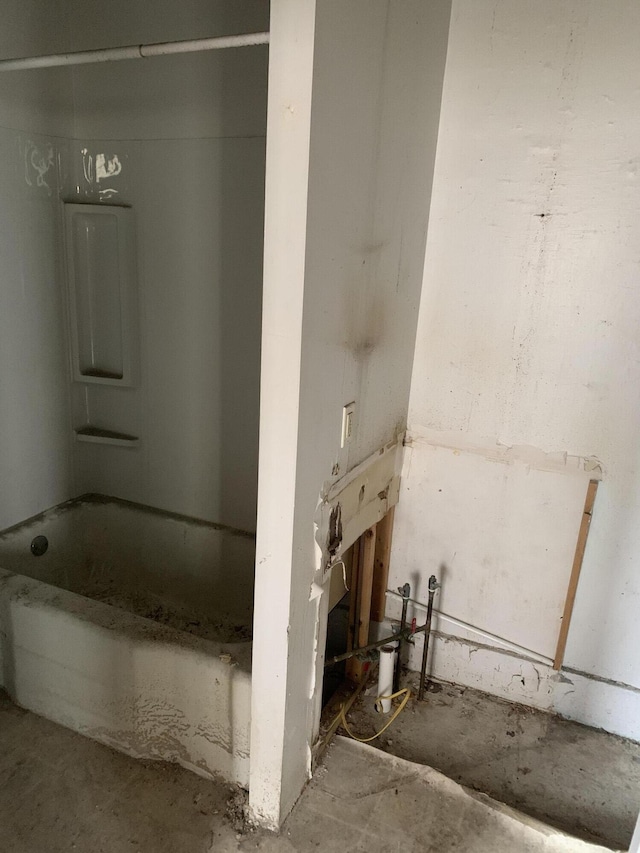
157, 661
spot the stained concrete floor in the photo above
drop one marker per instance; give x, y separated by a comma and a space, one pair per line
576, 778
62, 792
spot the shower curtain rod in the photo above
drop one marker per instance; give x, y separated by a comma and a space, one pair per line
139, 51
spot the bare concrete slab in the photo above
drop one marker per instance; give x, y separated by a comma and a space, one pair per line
62, 792
581, 780
366, 800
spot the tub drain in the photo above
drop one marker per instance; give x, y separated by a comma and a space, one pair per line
39, 545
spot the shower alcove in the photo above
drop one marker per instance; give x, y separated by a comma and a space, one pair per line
141, 538
131, 214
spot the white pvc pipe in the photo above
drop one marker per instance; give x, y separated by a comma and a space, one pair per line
507, 644
385, 677
139, 51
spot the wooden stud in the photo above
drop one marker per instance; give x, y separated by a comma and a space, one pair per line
366, 584
353, 605
384, 531
575, 573
363, 588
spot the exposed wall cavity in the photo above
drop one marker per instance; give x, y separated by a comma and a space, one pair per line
355, 503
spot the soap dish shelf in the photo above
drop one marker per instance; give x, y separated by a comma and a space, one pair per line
97, 435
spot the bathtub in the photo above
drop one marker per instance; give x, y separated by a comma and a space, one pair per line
132, 626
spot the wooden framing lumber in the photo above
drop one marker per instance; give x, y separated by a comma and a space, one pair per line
384, 531
361, 602
575, 573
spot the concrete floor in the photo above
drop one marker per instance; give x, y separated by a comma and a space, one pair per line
62, 792
581, 780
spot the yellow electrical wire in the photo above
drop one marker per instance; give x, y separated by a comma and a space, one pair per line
399, 709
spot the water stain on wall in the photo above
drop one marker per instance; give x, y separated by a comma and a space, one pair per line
98, 168
39, 165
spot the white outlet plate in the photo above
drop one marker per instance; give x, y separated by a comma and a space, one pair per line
348, 423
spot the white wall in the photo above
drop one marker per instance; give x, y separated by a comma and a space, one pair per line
528, 333
35, 118
39, 102
189, 133
347, 205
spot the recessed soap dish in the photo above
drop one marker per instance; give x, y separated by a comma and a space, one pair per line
101, 271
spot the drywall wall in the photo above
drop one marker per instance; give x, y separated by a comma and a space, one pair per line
347, 205
186, 137
35, 118
527, 334
286, 198
504, 564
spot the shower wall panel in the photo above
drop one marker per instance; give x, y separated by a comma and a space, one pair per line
35, 121
181, 139
198, 206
